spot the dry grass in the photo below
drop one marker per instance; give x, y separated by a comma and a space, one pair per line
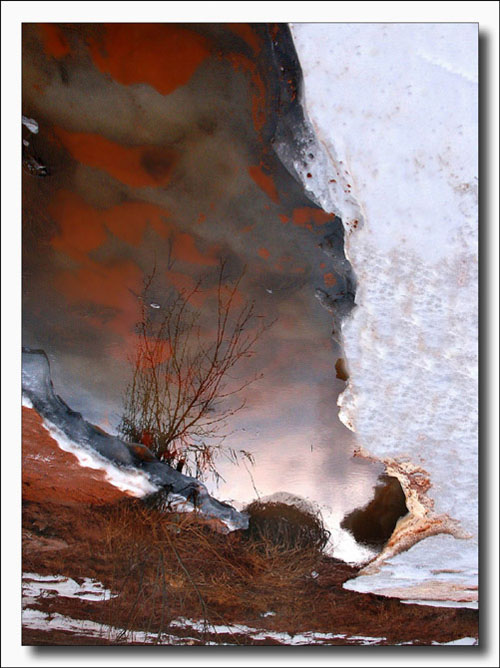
285, 527
165, 566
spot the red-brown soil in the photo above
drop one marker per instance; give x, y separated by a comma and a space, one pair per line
52, 475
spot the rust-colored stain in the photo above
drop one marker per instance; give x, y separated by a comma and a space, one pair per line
329, 279
304, 216
82, 228
185, 250
162, 55
264, 253
115, 288
129, 220
136, 166
247, 34
284, 219
264, 182
54, 42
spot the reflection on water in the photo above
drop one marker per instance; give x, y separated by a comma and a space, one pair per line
158, 145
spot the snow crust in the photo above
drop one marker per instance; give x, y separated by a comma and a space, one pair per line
395, 109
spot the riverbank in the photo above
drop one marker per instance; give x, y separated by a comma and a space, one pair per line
102, 568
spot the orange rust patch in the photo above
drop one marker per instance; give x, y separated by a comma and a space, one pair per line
136, 166
113, 287
322, 265
284, 219
81, 229
186, 251
162, 55
264, 182
54, 42
264, 253
128, 221
307, 215
329, 279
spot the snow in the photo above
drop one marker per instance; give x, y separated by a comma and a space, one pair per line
37, 620
128, 480
285, 638
394, 107
35, 586
460, 641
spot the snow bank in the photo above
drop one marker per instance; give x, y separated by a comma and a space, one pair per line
394, 107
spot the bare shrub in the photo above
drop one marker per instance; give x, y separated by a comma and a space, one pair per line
179, 399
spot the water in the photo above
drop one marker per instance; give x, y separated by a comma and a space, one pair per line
160, 158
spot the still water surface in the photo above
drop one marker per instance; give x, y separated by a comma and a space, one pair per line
158, 145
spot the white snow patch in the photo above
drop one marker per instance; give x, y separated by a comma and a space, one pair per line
36, 586
285, 638
128, 480
460, 641
35, 619
26, 401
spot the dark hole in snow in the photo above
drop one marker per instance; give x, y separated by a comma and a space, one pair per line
374, 524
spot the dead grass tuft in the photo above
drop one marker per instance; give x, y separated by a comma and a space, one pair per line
285, 527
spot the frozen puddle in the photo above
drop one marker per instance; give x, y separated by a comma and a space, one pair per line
42, 586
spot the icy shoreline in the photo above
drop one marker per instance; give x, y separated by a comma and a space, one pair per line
133, 470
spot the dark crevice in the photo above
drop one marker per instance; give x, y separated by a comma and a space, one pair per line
374, 524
